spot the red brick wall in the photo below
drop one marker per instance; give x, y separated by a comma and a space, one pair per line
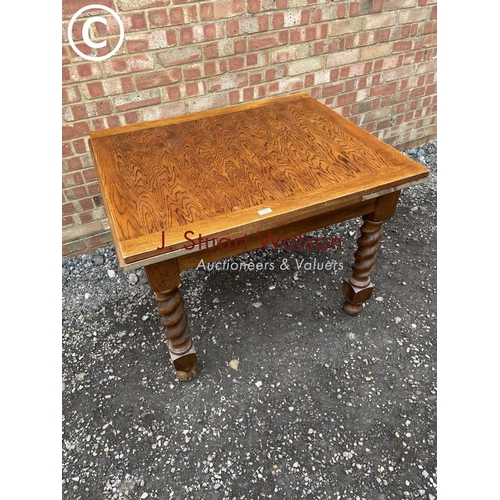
374, 61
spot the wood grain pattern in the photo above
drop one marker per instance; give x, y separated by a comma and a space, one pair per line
212, 172
174, 319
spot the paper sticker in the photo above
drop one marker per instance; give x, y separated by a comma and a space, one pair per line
264, 211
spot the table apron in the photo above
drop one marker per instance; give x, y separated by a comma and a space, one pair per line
192, 259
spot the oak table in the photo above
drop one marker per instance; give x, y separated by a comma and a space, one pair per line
172, 186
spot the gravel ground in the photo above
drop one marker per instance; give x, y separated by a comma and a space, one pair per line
293, 398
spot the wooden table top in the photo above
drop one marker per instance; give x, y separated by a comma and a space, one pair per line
235, 171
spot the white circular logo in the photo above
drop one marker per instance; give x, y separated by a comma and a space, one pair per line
86, 28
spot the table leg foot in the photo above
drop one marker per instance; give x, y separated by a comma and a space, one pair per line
359, 288
186, 376
180, 344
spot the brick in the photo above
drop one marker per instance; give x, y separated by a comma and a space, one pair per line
129, 64
108, 87
342, 58
430, 27
134, 22
98, 124
413, 15
93, 90
260, 42
336, 44
158, 18
80, 146
289, 53
240, 46
382, 20
73, 164
77, 232
87, 110
384, 35
341, 27
67, 221
172, 17
399, 32
66, 150
236, 63
212, 68
356, 70
85, 218
81, 73
130, 118
426, 67
332, 89
137, 99
70, 7
253, 6
399, 4
398, 73
76, 193
65, 55
430, 89
235, 96
89, 174
82, 47
324, 76
80, 129
308, 65
342, 11
176, 15
272, 4
193, 72
388, 63
67, 133
163, 111
228, 81
71, 180
70, 94
291, 84
295, 17
242, 26
221, 9
175, 57
225, 48
431, 77
348, 98
388, 88
142, 42
183, 91
277, 22
124, 5
110, 28
377, 114
430, 41
157, 78
68, 209
325, 13
73, 248
208, 32
213, 101
402, 46
366, 38
317, 32
100, 240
